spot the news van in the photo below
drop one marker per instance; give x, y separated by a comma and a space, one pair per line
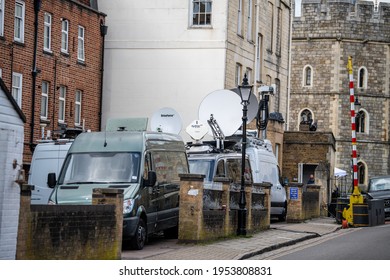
262, 167
145, 164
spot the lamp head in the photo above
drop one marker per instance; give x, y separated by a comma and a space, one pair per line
245, 90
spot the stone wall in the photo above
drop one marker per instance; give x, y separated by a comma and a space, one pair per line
303, 202
324, 36
209, 211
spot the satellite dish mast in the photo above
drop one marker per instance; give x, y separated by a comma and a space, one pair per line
166, 120
224, 107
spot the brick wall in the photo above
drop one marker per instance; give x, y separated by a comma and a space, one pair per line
71, 232
57, 68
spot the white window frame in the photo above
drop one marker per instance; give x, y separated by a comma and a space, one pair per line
194, 13
2, 17
17, 87
366, 122
64, 36
47, 19
80, 43
19, 22
61, 104
44, 99
77, 108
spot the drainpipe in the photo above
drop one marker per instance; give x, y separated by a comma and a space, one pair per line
103, 33
37, 7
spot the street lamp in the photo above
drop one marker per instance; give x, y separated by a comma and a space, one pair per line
245, 91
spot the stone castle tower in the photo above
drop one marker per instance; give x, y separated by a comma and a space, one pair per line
324, 35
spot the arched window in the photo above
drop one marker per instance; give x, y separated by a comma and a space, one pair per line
306, 117
362, 77
361, 121
361, 173
307, 76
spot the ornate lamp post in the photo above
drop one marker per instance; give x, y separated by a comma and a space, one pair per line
245, 91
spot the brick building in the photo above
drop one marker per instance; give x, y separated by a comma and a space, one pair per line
51, 54
324, 35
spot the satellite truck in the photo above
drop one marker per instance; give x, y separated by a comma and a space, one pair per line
222, 156
144, 163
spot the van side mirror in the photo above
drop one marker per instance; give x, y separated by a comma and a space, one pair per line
151, 180
51, 180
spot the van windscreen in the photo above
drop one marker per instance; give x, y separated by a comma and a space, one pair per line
113, 167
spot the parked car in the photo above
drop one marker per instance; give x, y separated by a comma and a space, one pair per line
379, 188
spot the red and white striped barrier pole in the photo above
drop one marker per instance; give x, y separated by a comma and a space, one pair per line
353, 124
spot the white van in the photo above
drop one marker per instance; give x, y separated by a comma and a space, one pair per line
265, 169
48, 157
263, 164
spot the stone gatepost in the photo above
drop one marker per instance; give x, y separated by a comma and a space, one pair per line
191, 208
294, 203
107, 196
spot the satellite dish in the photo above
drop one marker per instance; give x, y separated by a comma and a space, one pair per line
225, 106
166, 120
253, 105
197, 130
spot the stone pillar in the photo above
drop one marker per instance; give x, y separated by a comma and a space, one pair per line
314, 211
191, 207
294, 203
226, 203
108, 196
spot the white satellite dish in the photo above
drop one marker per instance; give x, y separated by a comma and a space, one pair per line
166, 120
225, 106
253, 105
197, 130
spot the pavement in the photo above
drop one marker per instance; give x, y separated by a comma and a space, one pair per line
240, 248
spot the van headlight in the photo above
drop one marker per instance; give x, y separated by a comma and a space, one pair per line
128, 205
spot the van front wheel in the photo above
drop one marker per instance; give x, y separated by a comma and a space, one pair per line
139, 239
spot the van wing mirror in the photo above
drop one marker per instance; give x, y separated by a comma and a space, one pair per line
51, 180
151, 180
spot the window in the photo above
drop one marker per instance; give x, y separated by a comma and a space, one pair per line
17, 80
271, 26
259, 52
80, 46
249, 34
19, 22
201, 12
361, 121
239, 18
307, 76
1, 17
306, 117
362, 78
361, 173
44, 99
297, 8
279, 32
248, 73
77, 108
61, 104
238, 74
64, 35
47, 32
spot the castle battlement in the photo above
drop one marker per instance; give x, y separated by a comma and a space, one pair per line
344, 19
335, 9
